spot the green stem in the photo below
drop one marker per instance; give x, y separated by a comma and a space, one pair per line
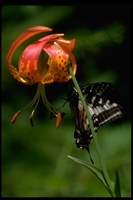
110, 184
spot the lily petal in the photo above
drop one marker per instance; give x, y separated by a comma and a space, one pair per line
68, 51
28, 63
33, 68
59, 61
69, 43
25, 35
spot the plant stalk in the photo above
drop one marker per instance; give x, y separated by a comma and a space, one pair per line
110, 184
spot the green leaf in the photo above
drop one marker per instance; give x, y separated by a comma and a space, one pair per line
96, 171
117, 185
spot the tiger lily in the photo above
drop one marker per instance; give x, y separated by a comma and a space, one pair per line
42, 62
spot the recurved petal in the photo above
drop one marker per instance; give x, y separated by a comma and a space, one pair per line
51, 37
60, 57
15, 74
24, 36
71, 56
28, 63
29, 67
69, 43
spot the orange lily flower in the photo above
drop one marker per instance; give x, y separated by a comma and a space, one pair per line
33, 67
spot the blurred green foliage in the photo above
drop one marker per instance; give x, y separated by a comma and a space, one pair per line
34, 159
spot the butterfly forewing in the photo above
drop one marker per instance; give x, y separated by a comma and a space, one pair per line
97, 99
100, 106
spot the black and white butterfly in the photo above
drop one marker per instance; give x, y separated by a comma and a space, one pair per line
101, 108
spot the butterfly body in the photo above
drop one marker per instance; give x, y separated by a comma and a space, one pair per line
101, 109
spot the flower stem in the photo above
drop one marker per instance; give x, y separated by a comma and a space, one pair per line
110, 184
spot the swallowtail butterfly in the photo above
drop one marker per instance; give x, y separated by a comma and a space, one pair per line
100, 106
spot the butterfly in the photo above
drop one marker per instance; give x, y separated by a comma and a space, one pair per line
102, 109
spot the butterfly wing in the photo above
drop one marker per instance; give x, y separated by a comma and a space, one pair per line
101, 108
81, 133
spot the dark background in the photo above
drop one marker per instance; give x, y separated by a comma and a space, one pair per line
34, 160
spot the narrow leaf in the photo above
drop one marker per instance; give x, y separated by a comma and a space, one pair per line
97, 172
117, 185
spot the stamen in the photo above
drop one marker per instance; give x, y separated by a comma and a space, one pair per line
35, 100
15, 117
59, 117
31, 119
39, 93
44, 99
